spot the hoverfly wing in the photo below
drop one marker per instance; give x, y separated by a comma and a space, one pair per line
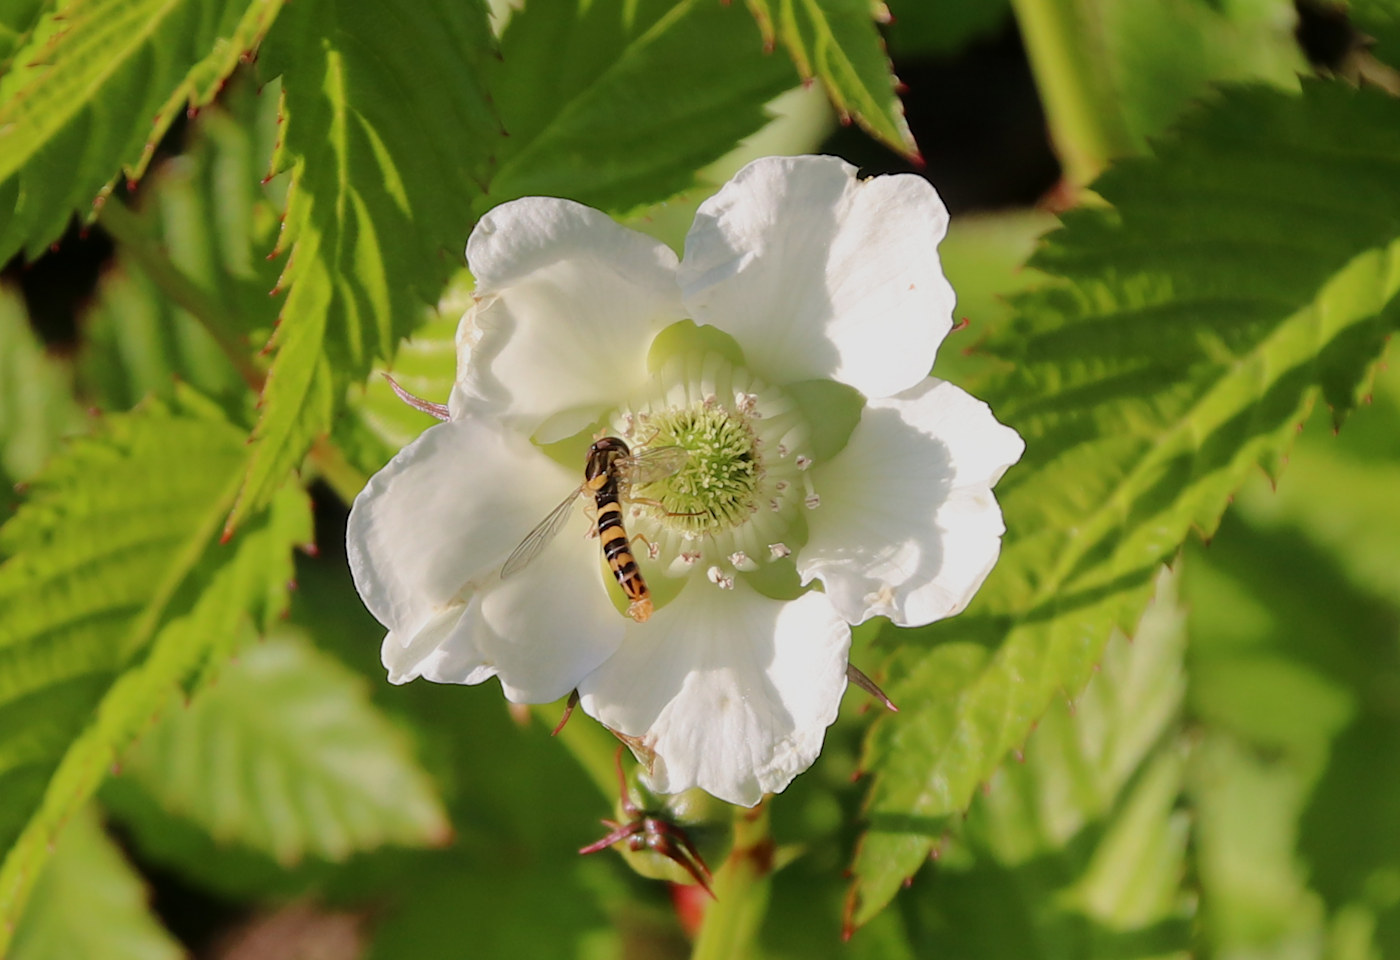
537, 539
655, 464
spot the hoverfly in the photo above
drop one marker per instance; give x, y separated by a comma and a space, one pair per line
609, 474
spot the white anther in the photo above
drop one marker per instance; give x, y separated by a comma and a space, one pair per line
774, 505
710, 399
717, 577
653, 550
781, 485
688, 557
782, 450
746, 403
812, 501
741, 561
803, 461
777, 551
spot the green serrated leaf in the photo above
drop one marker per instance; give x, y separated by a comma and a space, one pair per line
931, 28
189, 264
1161, 56
36, 408
286, 755
1248, 269
1079, 842
618, 104
116, 591
91, 90
18, 18
1294, 619
380, 147
90, 903
836, 42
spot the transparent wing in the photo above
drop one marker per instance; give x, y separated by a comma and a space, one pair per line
538, 538
652, 465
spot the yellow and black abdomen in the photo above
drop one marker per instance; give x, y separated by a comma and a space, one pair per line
601, 476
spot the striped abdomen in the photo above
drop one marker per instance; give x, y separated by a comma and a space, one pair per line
612, 535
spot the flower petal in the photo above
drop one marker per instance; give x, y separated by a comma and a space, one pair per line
908, 526
567, 304
553, 623
820, 275
443, 650
731, 691
434, 525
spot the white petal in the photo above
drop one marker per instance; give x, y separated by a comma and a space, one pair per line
908, 526
820, 275
732, 691
426, 651
567, 305
434, 525
553, 623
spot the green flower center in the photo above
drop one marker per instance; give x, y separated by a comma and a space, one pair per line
717, 487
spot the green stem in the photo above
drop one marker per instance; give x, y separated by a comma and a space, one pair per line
733, 918
136, 242
1067, 51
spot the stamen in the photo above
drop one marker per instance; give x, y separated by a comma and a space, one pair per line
778, 551
717, 576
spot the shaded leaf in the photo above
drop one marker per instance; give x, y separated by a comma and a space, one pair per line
619, 104
1248, 269
286, 755
91, 90
90, 903
1380, 20
98, 629
836, 42
928, 28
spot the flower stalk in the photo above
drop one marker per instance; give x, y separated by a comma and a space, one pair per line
741, 888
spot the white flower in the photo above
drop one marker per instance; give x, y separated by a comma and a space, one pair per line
788, 352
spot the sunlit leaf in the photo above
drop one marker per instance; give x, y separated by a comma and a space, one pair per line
90, 903
116, 593
35, 409
286, 755
1162, 56
380, 145
91, 90
1263, 237
836, 42
1079, 842
1294, 617
197, 243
